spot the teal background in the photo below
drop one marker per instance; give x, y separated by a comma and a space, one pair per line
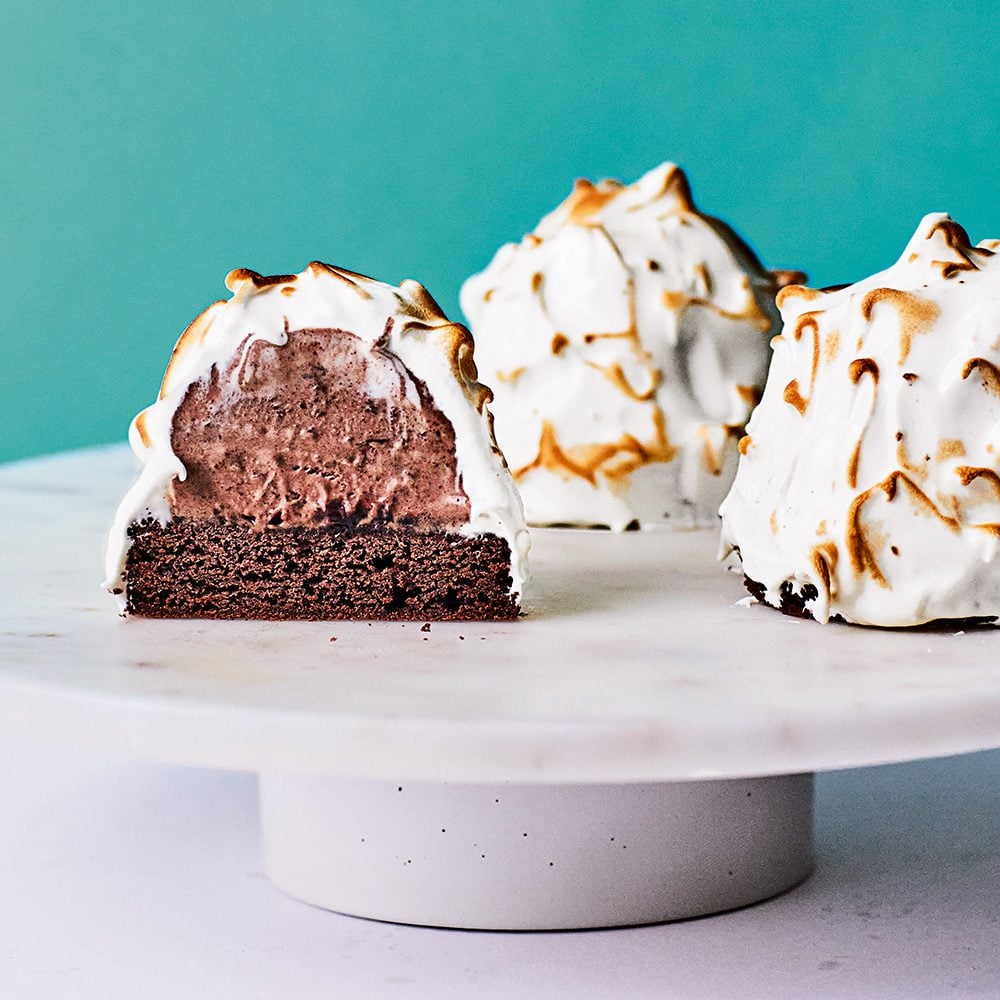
146, 150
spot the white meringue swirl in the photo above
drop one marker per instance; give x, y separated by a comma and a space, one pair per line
869, 483
626, 342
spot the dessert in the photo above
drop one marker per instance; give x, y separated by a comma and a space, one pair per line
869, 483
320, 448
626, 339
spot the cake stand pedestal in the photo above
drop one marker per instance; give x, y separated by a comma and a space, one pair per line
639, 747
530, 857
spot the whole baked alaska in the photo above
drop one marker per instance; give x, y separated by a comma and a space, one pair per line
626, 339
869, 483
320, 449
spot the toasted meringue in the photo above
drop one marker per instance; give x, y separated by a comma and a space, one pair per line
869, 482
626, 340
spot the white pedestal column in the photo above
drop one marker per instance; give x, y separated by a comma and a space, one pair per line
534, 857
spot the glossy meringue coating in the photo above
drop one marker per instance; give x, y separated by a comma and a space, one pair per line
626, 341
869, 482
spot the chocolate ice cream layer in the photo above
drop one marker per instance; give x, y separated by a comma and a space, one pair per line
320, 431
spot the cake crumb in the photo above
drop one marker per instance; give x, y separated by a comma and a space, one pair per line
426, 627
747, 602
333, 638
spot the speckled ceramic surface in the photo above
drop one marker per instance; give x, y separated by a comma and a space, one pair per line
533, 857
634, 663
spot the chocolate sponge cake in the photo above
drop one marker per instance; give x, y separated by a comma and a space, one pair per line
320, 449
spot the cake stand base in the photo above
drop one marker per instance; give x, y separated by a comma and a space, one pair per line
535, 857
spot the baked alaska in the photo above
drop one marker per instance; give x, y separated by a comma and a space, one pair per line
869, 483
626, 339
320, 448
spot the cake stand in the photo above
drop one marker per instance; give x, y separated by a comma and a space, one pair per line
638, 747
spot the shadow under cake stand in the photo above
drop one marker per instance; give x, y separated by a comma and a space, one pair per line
639, 747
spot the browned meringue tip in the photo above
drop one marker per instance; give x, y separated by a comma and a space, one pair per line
783, 278
424, 300
337, 271
240, 275
587, 199
797, 291
352, 278
954, 233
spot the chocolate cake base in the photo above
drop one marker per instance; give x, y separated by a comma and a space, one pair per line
794, 603
213, 568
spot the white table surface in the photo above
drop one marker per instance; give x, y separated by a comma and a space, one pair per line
126, 880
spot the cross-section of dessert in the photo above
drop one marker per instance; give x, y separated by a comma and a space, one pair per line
626, 339
321, 448
869, 483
